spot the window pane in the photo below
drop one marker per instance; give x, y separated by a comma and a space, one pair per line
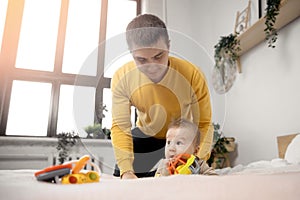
38, 35
76, 109
3, 8
120, 13
82, 37
29, 109
106, 122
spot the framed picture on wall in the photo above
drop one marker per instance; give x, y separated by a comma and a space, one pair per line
242, 20
262, 5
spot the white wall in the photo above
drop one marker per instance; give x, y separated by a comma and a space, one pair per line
263, 102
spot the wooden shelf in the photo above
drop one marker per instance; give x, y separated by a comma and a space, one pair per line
289, 10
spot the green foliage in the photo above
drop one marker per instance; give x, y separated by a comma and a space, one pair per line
229, 45
272, 10
219, 140
96, 131
106, 132
219, 143
65, 142
96, 128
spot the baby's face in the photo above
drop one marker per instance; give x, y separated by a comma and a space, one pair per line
178, 141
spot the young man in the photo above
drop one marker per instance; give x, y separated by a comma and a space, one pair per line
161, 88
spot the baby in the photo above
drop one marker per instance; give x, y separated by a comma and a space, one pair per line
183, 137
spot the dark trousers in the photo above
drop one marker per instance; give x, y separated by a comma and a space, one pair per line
147, 152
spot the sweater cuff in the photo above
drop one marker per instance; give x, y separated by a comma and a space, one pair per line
125, 166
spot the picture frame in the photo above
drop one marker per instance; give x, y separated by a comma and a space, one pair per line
262, 5
242, 20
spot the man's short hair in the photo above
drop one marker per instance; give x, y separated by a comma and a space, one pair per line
146, 30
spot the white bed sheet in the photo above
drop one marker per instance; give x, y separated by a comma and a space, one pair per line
278, 184
273, 166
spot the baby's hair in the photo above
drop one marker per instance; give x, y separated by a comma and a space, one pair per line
184, 123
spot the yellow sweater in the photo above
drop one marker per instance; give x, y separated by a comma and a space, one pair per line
183, 92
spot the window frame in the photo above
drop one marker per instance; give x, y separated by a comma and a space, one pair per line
9, 73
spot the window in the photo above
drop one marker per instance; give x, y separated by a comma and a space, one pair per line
82, 35
53, 74
38, 33
3, 8
29, 104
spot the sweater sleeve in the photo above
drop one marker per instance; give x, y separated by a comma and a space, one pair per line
205, 169
121, 126
202, 114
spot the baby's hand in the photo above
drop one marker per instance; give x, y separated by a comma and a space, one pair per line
163, 167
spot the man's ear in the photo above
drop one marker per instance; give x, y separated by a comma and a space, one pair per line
169, 43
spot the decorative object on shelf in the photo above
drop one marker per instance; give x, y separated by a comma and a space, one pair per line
65, 142
242, 19
226, 58
222, 146
97, 132
272, 10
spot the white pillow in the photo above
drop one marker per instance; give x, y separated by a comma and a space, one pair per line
292, 154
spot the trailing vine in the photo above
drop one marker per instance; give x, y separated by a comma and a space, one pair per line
272, 10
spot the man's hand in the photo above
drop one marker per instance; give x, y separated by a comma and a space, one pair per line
129, 175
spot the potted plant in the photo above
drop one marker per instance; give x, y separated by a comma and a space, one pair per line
97, 132
65, 143
222, 146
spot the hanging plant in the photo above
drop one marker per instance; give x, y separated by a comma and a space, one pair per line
228, 45
272, 10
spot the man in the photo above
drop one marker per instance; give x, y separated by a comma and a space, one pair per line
161, 88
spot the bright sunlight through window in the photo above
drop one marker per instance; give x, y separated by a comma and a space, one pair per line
38, 35
29, 108
3, 8
30, 103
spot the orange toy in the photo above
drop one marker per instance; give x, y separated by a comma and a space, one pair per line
184, 164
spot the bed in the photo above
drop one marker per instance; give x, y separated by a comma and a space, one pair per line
274, 179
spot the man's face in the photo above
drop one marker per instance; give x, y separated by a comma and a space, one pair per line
152, 61
178, 141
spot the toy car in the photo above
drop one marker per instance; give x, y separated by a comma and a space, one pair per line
69, 174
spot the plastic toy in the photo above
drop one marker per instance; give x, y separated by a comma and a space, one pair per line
53, 173
70, 172
77, 178
80, 178
184, 164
